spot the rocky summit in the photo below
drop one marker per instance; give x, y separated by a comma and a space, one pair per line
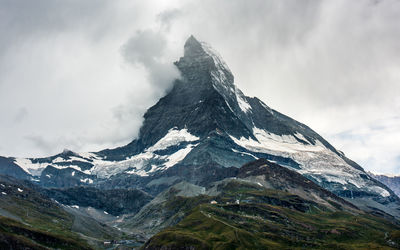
200, 134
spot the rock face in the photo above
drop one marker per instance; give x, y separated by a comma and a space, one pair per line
8, 167
115, 201
273, 176
201, 132
170, 206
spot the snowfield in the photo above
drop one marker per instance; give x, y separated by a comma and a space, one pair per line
315, 161
141, 164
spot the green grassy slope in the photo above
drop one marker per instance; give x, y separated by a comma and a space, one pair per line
15, 235
29, 218
271, 219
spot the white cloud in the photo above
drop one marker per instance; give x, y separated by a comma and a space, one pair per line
375, 145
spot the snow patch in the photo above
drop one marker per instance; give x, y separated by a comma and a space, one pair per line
316, 161
20, 190
4, 193
271, 142
37, 168
229, 106
58, 160
178, 156
139, 164
34, 169
243, 104
67, 166
87, 180
301, 137
244, 153
173, 137
136, 162
382, 192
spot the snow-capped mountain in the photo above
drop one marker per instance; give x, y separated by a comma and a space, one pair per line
202, 131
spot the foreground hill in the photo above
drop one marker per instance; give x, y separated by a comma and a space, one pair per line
265, 226
240, 214
30, 219
263, 205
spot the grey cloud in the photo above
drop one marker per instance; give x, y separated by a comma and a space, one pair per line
333, 65
60, 59
144, 47
45, 144
20, 20
20, 115
147, 48
166, 18
39, 142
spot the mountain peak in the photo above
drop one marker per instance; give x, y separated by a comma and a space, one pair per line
191, 39
193, 47
202, 66
195, 50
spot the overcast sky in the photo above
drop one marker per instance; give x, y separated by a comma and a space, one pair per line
80, 74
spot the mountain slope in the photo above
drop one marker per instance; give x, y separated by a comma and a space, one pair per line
16, 235
262, 226
114, 201
27, 218
205, 122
